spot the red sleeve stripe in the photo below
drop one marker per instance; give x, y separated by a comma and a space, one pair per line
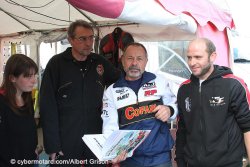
2, 92
178, 118
185, 82
243, 84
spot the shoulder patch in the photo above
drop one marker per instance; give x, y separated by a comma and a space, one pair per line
100, 69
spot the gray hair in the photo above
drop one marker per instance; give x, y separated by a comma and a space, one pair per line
78, 23
137, 44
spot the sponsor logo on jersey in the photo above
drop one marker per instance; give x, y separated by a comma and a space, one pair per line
150, 92
137, 112
123, 97
149, 85
132, 112
121, 91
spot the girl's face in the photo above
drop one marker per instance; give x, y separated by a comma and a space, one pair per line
24, 83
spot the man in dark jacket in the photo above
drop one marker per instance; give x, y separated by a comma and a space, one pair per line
214, 115
71, 96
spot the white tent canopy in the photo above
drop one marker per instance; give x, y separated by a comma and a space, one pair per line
30, 15
43, 16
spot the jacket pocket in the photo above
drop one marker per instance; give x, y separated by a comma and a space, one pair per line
64, 93
99, 83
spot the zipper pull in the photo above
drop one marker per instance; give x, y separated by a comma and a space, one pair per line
83, 72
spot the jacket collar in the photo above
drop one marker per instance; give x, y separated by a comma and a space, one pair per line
146, 77
218, 72
67, 54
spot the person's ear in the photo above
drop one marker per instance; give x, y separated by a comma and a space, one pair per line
122, 59
213, 56
70, 40
12, 78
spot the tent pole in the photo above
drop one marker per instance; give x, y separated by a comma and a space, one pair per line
91, 20
9, 14
96, 45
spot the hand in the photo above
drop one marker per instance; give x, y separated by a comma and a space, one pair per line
53, 155
248, 163
119, 158
38, 150
162, 112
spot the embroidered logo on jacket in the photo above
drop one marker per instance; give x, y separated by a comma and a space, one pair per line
188, 104
149, 85
137, 112
123, 97
217, 101
150, 92
100, 69
121, 91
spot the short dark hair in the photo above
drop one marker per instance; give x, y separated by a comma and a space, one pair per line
78, 23
210, 46
138, 45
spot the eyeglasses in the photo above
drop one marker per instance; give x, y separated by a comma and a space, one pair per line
84, 39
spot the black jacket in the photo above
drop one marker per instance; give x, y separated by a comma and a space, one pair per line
212, 120
71, 100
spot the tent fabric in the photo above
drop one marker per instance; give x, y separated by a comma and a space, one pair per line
211, 21
46, 15
112, 10
140, 11
153, 13
220, 40
152, 20
203, 11
25, 16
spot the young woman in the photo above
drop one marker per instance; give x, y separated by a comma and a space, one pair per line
18, 135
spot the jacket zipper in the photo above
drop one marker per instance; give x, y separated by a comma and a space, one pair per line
83, 72
201, 127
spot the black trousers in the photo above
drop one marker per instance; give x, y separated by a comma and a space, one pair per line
236, 164
87, 159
